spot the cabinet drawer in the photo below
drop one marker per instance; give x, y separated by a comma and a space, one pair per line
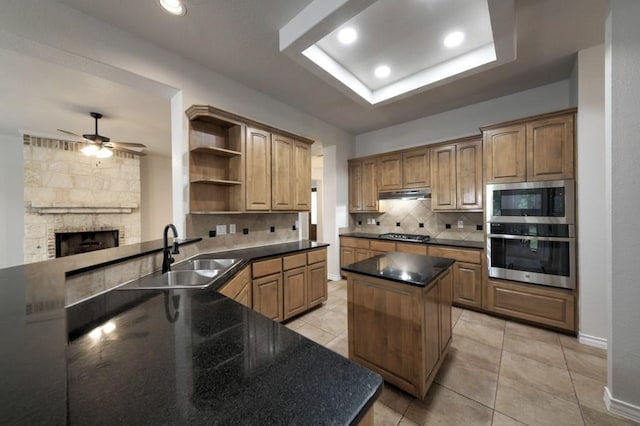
554, 307
294, 261
411, 248
461, 255
316, 256
382, 245
267, 267
354, 242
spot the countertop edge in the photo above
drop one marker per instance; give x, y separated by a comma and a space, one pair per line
468, 244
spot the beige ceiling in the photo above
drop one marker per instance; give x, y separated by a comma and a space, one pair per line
239, 39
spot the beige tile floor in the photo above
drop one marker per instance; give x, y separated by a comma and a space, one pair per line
497, 372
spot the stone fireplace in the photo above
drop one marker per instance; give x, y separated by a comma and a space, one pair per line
68, 192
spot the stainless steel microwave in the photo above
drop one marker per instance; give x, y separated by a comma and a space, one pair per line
531, 202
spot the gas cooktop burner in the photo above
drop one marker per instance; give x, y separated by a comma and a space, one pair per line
405, 237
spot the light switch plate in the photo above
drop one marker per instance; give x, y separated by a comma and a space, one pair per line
221, 229
460, 224
232, 228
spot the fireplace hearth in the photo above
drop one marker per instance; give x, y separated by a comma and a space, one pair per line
70, 243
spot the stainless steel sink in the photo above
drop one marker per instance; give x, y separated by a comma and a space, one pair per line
194, 273
202, 264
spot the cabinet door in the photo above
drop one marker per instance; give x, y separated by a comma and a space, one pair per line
355, 186
239, 288
389, 169
416, 169
362, 254
369, 186
505, 154
467, 284
469, 175
258, 170
295, 291
412, 248
550, 148
317, 290
445, 284
347, 256
267, 296
301, 185
432, 328
443, 178
282, 170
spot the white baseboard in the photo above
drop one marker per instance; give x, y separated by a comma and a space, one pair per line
334, 277
621, 408
594, 341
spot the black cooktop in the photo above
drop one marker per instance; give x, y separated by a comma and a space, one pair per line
405, 237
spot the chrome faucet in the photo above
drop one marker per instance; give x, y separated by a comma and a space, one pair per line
167, 250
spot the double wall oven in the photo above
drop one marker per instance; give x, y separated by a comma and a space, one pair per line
531, 232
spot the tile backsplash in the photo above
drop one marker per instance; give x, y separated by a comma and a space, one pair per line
405, 216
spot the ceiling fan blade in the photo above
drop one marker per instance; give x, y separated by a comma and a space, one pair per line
85, 140
129, 144
118, 148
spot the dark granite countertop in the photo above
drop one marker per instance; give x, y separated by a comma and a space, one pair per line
210, 360
197, 357
405, 268
432, 241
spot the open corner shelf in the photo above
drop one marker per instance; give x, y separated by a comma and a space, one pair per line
221, 182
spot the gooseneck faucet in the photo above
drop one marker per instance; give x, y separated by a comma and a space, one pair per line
167, 250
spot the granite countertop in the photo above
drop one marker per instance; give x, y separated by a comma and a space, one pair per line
188, 357
405, 268
432, 241
197, 357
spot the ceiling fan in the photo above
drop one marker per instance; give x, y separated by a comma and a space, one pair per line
101, 146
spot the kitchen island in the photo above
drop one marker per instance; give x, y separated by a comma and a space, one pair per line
399, 314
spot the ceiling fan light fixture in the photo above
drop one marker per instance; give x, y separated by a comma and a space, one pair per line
174, 7
104, 152
90, 150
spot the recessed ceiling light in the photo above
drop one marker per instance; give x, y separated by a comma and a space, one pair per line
347, 35
454, 39
382, 71
175, 7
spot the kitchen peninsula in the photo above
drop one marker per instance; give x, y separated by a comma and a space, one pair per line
165, 356
399, 315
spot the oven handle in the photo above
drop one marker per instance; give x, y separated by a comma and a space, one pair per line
531, 238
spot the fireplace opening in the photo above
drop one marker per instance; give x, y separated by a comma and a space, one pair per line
69, 243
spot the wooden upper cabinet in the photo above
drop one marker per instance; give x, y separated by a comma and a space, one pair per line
443, 178
258, 170
456, 176
363, 189
389, 168
416, 168
301, 185
469, 175
505, 154
282, 172
535, 149
355, 186
550, 148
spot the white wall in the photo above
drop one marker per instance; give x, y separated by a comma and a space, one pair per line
465, 121
622, 236
593, 315
155, 196
12, 201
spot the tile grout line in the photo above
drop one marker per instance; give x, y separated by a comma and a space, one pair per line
573, 386
495, 396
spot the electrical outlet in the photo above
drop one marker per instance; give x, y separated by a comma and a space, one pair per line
421, 225
447, 226
460, 224
272, 229
478, 227
397, 223
359, 222
377, 223
245, 231
221, 229
232, 228
212, 234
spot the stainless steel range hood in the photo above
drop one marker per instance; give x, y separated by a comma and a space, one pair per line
406, 194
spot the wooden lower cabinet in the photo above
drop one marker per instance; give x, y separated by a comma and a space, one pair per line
543, 305
317, 289
467, 274
294, 291
239, 288
267, 296
411, 248
410, 323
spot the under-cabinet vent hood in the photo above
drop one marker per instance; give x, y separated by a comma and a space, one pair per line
406, 194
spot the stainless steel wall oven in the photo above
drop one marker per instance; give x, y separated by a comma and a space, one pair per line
531, 232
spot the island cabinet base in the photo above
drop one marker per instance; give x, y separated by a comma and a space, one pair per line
400, 331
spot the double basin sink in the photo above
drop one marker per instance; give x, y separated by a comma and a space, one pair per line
193, 273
